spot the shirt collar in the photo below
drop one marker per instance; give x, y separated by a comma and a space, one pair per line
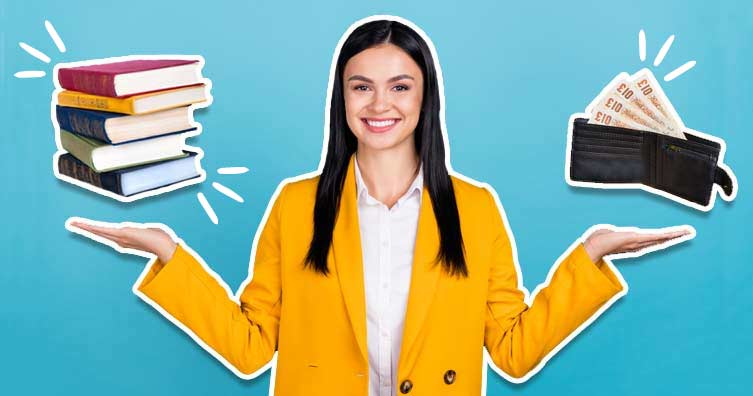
418, 183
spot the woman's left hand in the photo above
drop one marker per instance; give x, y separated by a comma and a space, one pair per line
604, 241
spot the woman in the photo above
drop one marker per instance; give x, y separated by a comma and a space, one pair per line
385, 243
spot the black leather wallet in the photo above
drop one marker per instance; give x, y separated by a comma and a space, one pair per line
687, 169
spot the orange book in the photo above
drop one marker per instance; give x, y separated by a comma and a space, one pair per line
137, 104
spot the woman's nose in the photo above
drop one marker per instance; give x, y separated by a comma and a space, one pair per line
380, 102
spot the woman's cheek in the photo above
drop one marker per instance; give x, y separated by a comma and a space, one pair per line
410, 105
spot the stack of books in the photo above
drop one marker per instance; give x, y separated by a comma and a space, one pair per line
123, 124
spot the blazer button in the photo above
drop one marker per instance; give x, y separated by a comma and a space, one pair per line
406, 386
449, 377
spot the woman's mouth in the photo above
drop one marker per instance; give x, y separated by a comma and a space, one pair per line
380, 125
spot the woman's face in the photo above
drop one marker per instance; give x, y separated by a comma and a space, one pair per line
383, 93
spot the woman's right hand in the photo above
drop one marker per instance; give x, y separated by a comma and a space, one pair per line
152, 240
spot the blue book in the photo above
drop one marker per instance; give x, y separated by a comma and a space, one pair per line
117, 128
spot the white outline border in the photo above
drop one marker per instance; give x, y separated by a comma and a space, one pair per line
197, 159
621, 186
528, 297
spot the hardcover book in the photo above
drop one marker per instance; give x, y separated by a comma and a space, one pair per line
116, 128
122, 78
133, 180
135, 104
102, 157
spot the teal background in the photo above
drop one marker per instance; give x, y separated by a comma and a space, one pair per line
513, 74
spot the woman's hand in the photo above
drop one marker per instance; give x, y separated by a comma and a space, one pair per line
605, 241
154, 240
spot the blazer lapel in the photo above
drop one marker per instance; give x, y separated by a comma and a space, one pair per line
348, 260
424, 279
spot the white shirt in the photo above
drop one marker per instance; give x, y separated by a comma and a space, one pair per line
388, 237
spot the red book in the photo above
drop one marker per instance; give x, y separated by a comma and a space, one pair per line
125, 78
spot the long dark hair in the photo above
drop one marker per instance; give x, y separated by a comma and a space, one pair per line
428, 140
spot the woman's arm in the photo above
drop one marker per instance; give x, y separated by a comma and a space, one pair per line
517, 336
243, 331
240, 331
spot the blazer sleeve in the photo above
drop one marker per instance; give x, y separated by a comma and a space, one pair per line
518, 336
243, 333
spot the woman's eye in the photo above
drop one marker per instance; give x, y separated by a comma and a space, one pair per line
366, 87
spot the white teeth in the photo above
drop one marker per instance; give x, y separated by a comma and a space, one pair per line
380, 124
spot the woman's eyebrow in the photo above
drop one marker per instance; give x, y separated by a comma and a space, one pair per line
368, 80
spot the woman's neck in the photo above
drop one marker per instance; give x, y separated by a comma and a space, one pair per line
387, 173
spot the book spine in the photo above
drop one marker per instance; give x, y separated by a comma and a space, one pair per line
71, 167
78, 147
82, 123
87, 81
94, 102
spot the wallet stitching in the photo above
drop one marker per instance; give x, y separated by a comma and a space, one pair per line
610, 135
597, 141
604, 146
587, 153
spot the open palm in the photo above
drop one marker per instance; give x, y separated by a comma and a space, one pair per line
614, 240
156, 240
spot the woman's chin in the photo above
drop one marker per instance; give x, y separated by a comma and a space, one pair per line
380, 143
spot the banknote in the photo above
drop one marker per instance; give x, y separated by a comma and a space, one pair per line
614, 103
614, 110
636, 102
641, 103
650, 94
605, 117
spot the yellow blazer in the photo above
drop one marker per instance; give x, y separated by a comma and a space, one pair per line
317, 324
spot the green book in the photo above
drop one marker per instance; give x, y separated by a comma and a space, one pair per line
103, 157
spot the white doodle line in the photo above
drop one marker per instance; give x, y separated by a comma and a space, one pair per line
227, 192
232, 170
236, 297
679, 71
663, 50
197, 159
642, 45
54, 36
34, 52
673, 113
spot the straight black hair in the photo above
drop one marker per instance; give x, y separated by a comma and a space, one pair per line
428, 140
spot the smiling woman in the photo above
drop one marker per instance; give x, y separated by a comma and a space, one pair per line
383, 273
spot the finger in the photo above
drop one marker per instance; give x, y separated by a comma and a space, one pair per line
84, 226
662, 240
92, 227
655, 237
108, 234
646, 244
104, 234
675, 234
634, 249
108, 231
